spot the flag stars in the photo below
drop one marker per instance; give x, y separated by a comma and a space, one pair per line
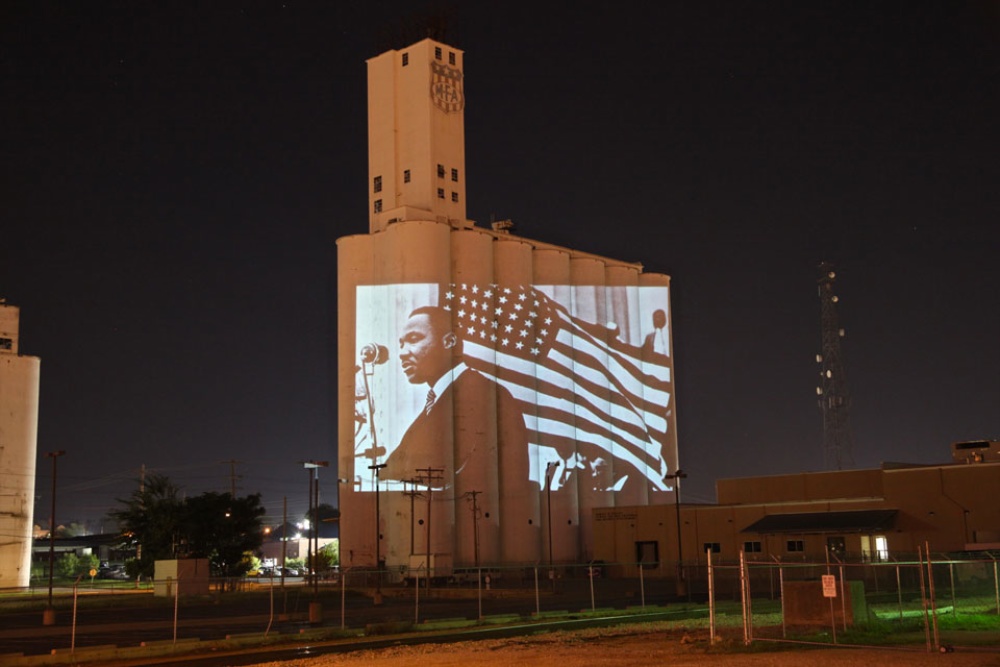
488, 293
503, 299
522, 296
523, 333
508, 328
534, 351
518, 306
475, 304
449, 295
461, 313
505, 342
519, 345
471, 331
475, 289
463, 299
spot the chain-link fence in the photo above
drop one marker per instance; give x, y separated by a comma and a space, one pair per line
939, 600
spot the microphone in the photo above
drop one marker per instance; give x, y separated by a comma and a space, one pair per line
373, 353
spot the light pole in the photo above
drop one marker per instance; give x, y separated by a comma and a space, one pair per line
677, 477
550, 469
49, 616
378, 535
312, 470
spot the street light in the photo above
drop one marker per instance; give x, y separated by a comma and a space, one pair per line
378, 535
312, 470
677, 477
550, 469
49, 615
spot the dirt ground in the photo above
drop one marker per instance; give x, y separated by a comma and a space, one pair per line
612, 648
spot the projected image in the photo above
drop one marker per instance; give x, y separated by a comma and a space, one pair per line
484, 386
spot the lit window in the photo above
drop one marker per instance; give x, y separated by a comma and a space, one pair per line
378, 184
714, 547
795, 545
454, 175
440, 193
454, 196
378, 205
437, 52
451, 57
440, 171
406, 175
751, 547
406, 59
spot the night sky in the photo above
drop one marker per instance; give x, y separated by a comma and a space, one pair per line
175, 175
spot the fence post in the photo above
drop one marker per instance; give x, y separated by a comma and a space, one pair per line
711, 599
843, 597
642, 587
933, 596
538, 604
745, 602
951, 574
899, 593
996, 585
923, 600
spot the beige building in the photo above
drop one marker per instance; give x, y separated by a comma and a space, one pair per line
865, 515
19, 378
482, 374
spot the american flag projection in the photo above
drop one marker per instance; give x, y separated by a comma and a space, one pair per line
588, 396
589, 368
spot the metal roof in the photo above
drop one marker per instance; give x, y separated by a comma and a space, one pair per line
858, 521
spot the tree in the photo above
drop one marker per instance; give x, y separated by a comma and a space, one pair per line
150, 521
215, 526
225, 530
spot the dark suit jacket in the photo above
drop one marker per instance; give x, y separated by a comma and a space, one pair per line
475, 430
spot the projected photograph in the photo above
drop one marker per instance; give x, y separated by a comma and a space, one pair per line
489, 386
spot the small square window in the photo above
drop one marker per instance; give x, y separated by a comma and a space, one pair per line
451, 57
714, 547
406, 175
440, 193
437, 52
795, 545
440, 171
377, 186
751, 547
454, 196
454, 175
378, 205
406, 59
6, 344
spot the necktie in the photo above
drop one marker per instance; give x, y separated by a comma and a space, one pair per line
430, 401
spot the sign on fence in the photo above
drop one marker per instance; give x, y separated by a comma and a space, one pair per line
829, 586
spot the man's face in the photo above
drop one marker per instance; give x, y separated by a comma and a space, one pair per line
424, 353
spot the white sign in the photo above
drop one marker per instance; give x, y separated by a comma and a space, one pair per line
829, 586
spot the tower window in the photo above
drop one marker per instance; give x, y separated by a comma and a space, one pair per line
406, 59
454, 175
437, 52
440, 193
378, 205
440, 171
714, 547
406, 175
377, 186
794, 545
6, 344
451, 57
454, 196
751, 547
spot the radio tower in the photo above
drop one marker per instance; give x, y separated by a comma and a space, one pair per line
833, 396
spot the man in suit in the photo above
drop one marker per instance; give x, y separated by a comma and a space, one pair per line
470, 426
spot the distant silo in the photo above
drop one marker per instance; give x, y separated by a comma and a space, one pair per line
19, 377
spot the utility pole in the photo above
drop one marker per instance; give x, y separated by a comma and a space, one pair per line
475, 522
49, 616
832, 395
232, 476
378, 534
431, 475
413, 494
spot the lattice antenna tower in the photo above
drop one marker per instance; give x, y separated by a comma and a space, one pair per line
832, 394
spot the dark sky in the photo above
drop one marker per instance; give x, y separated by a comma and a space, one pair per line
175, 175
